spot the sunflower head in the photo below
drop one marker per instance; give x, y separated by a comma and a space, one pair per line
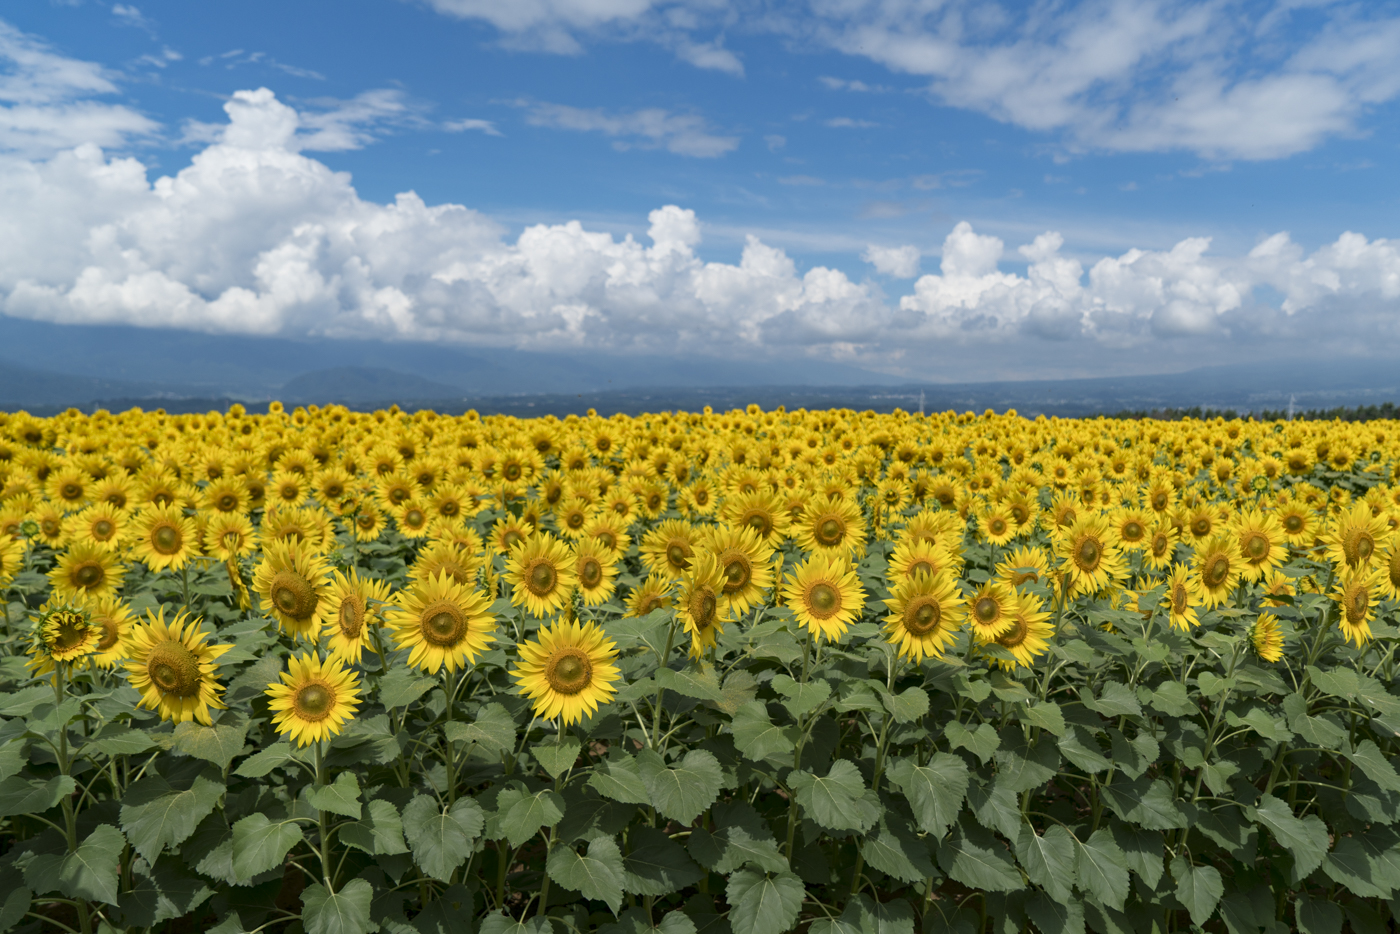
65, 633
1266, 638
442, 623
1354, 593
924, 616
567, 671
653, 594
354, 603
541, 573
825, 595
703, 609
173, 667
292, 581
315, 699
988, 611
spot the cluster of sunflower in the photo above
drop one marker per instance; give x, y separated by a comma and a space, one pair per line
720, 505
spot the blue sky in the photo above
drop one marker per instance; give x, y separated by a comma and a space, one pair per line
860, 175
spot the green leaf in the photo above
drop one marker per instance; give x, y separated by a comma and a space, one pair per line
1056, 915
1144, 850
379, 832
657, 864
1349, 865
835, 801
906, 706
1101, 868
598, 875
1171, 699
402, 686
619, 780
733, 847
1320, 731
758, 738
1338, 682
155, 815
16, 904
1198, 888
982, 741
1021, 766
13, 756
1114, 700
1079, 746
1048, 860
894, 849
739, 688
219, 744
681, 793
558, 757
441, 840
262, 763
31, 796
343, 912
864, 915
764, 904
1306, 839
977, 860
1317, 916
120, 741
260, 844
1368, 758
90, 871
701, 685
21, 703
802, 699
1046, 715
492, 729
996, 808
1258, 720
1147, 802
342, 797
523, 814
498, 923
935, 791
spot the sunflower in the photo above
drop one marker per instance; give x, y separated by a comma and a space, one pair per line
164, 538
412, 518
1261, 542
567, 671
292, 582
651, 595
924, 616
824, 595
174, 668
1064, 511
68, 486
995, 524
669, 548
64, 633
572, 516
1389, 577
698, 498
226, 495
1298, 520
913, 556
1161, 546
1089, 549
1203, 521
746, 563
832, 526
367, 521
1266, 638
114, 619
442, 623
1355, 538
49, 518
11, 559
354, 608
1132, 528
541, 571
989, 611
101, 524
445, 557
1355, 594
1277, 584
703, 609
1216, 567
612, 534
1022, 508
1022, 565
86, 571
314, 700
595, 566
761, 511
507, 534
1181, 597
229, 535
1029, 635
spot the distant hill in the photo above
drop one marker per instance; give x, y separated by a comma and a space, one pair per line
356, 384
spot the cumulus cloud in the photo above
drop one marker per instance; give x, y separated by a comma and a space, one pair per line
334, 126
902, 262
649, 128
481, 126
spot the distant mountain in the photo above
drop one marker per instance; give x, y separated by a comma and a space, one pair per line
349, 385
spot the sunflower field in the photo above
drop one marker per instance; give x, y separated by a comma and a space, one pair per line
725, 673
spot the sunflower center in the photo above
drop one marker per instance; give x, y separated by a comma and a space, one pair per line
608, 539
443, 624
72, 632
1200, 527
352, 616
511, 539
293, 594
1256, 547
650, 603
414, 518
737, 573
997, 526
1087, 555
227, 503
173, 668
702, 497
71, 491
760, 522
167, 539
109, 636
568, 671
1358, 602
986, 609
575, 520
702, 607
1358, 546
1019, 513
590, 572
1394, 568
1015, 636
830, 531
1293, 523
1217, 570
922, 616
314, 701
1132, 531
365, 521
88, 576
1179, 599
824, 600
102, 529
511, 472
541, 579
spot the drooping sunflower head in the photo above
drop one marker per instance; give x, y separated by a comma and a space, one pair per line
1029, 634
315, 699
173, 666
595, 566
1024, 565
651, 595
1267, 639
1180, 599
568, 671
1355, 592
541, 574
924, 616
824, 595
114, 619
293, 582
64, 633
442, 623
746, 564
669, 548
354, 609
989, 611
703, 609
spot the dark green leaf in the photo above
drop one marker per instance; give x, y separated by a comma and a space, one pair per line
619, 780
498, 923
682, 792
441, 840
894, 849
1349, 865
343, 912
379, 832
1056, 915
1369, 759
1079, 746
402, 686
121, 741
1147, 802
260, 844
1317, 916
342, 797
522, 814
935, 791
977, 860
757, 737
556, 757
1171, 699
837, 800
90, 872
1114, 700
733, 847
1048, 860
982, 741
16, 904
1021, 766
155, 815
597, 875
1102, 869
1144, 850
492, 729
1046, 715
218, 744
764, 904
31, 796
1198, 888
697, 684
996, 808
1306, 839
906, 706
262, 763
657, 864
864, 915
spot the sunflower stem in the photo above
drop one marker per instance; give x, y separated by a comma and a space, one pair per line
323, 821
449, 760
661, 663
70, 817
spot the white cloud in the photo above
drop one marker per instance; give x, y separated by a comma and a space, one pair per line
649, 128
902, 262
483, 126
775, 141
337, 126
849, 123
